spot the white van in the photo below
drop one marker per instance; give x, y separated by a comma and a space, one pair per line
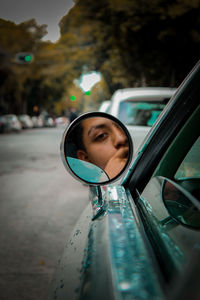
104, 107
138, 108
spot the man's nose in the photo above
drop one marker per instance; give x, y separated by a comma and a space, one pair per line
120, 138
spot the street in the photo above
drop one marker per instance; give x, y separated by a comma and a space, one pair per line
39, 206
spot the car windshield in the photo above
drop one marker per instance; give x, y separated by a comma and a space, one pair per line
139, 113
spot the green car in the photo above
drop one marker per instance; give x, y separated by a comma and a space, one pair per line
139, 237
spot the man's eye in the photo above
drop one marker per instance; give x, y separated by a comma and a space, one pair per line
100, 137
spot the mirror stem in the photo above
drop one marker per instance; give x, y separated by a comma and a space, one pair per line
99, 195
98, 209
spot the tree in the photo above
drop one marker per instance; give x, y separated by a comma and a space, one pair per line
16, 86
132, 43
129, 42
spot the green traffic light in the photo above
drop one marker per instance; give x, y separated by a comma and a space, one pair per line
27, 58
24, 57
72, 98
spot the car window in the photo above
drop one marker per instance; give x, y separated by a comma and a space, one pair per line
169, 214
139, 113
190, 166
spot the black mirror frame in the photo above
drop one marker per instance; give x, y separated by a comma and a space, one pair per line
78, 120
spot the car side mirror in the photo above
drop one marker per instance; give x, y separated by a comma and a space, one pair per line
181, 204
96, 148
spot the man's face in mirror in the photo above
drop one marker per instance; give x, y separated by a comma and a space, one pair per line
105, 143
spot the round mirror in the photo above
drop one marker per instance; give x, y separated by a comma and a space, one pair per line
96, 148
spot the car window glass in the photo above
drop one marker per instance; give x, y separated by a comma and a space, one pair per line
190, 166
181, 205
172, 237
139, 113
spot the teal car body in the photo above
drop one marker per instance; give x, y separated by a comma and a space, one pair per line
140, 238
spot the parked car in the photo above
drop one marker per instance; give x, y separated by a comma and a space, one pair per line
49, 121
2, 124
104, 107
62, 120
11, 123
138, 108
140, 239
25, 121
37, 121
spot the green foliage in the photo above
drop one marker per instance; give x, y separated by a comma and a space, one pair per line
41, 81
131, 42
16, 87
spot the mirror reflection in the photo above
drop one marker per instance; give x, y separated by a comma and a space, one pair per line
181, 204
97, 149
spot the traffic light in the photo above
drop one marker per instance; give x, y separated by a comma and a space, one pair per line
23, 58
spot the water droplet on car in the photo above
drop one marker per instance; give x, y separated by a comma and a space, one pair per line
124, 286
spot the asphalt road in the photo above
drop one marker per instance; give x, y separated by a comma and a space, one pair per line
39, 206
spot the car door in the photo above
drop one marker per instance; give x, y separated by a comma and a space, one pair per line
170, 205
167, 197
127, 244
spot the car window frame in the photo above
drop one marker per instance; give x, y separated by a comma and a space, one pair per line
164, 248
177, 146
171, 120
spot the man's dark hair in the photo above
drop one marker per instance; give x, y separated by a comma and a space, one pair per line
75, 141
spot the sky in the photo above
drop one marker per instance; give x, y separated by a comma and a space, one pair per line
88, 80
47, 12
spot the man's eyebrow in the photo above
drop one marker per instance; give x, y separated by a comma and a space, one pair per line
99, 126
